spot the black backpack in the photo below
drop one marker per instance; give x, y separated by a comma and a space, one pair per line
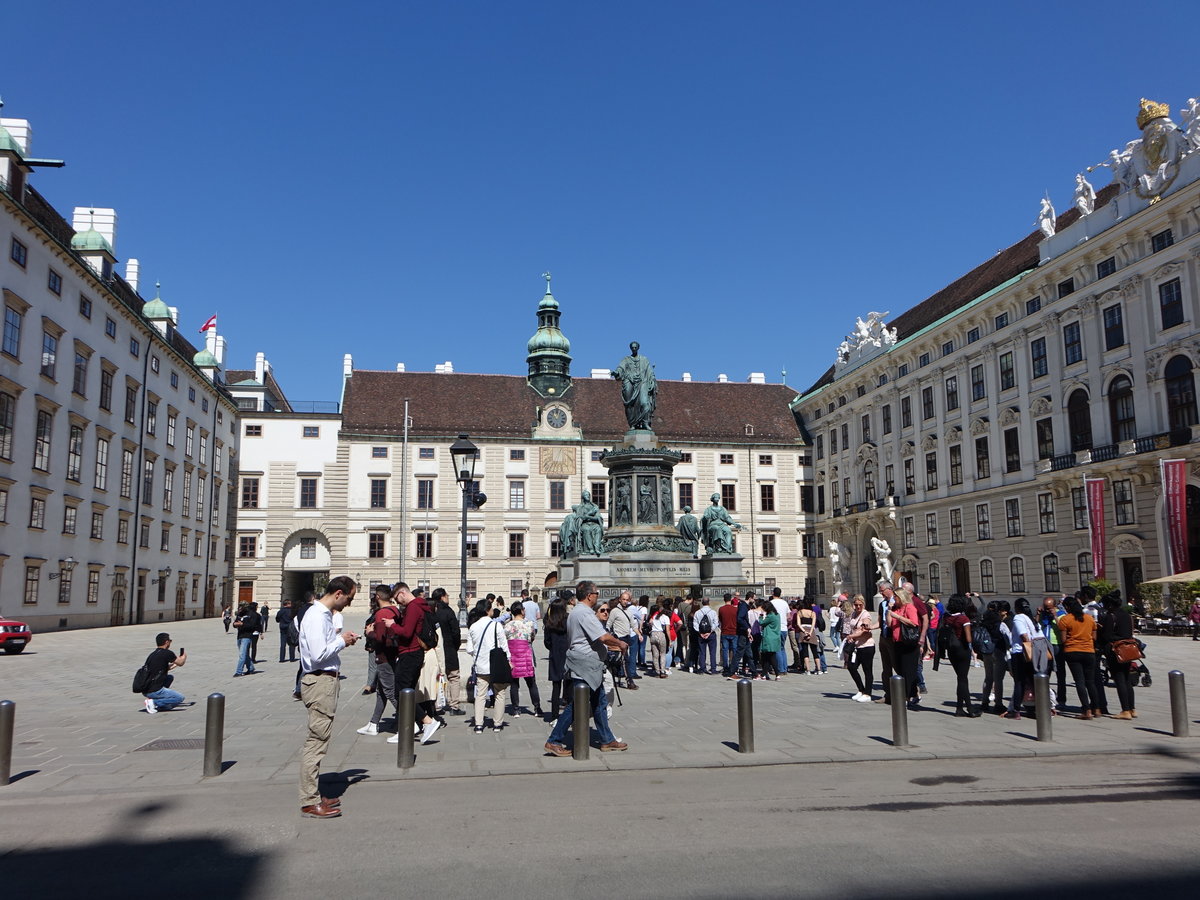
646, 627
141, 681
981, 641
705, 624
428, 634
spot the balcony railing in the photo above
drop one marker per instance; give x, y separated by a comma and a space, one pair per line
314, 406
1066, 461
1105, 453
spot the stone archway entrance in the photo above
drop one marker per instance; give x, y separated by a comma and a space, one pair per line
962, 576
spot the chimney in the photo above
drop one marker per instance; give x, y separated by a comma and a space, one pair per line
757, 378
219, 350
174, 315
20, 132
132, 268
347, 365
400, 367
104, 220
260, 365
722, 378
599, 373
687, 376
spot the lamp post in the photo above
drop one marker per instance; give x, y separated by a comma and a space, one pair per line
465, 456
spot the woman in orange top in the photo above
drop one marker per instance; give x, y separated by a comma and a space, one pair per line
1078, 633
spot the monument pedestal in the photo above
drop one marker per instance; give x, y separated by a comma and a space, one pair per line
592, 568
721, 568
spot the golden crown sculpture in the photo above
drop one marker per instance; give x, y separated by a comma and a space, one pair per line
1150, 111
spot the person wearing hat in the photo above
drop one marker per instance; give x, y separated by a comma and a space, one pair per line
158, 666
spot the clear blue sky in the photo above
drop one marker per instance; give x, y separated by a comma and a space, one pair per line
728, 183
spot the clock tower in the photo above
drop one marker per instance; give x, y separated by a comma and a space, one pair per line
549, 351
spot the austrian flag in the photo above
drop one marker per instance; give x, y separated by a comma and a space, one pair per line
211, 323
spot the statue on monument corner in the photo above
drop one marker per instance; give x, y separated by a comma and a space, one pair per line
689, 528
717, 527
668, 502
568, 534
639, 389
591, 526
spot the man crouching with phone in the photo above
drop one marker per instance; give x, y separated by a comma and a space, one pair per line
320, 660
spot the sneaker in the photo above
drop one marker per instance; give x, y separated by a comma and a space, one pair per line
394, 739
428, 730
296, 695
516, 714
369, 728
150, 707
496, 729
857, 696
864, 698
479, 729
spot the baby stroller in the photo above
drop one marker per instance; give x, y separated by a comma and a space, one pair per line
1139, 670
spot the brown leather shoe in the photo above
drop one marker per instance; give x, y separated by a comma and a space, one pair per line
319, 811
613, 745
1133, 713
1087, 714
331, 802
631, 687
1123, 714
557, 749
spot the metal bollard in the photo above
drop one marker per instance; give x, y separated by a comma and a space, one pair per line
214, 734
582, 698
1042, 708
745, 701
406, 716
1179, 713
899, 712
8, 713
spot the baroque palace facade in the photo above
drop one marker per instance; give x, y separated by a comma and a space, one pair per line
961, 433
117, 439
358, 492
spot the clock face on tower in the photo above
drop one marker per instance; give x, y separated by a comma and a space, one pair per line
556, 417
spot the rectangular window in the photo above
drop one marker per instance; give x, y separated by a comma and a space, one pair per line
931, 529
906, 419
516, 495
819, 446
93, 586
151, 417
956, 468
1123, 502
869, 485
12, 332
987, 577
922, 360
1012, 517
685, 458
910, 533
1072, 343
49, 354
835, 492
172, 421
425, 493
18, 253
147, 480
978, 385
972, 335
931, 473
249, 493
729, 496
1039, 365
952, 392
558, 495
32, 579
833, 441
1001, 321
79, 382
885, 414
1012, 450
1114, 327
424, 545
516, 455
135, 347
426, 453
42, 440
1162, 240
726, 459
201, 479
1066, 287
1086, 570
1033, 305
85, 307
901, 371
889, 480
100, 479
75, 454
983, 461
1045, 438
175, 380
64, 585
845, 437
311, 431
127, 474
247, 546
106, 389
956, 528
947, 348
1016, 573
1050, 572
766, 494
154, 364
187, 493
189, 439
768, 546
1170, 303
1079, 511
599, 493
375, 545
473, 545
378, 493
70, 518
37, 512
308, 493
122, 531
1008, 375
131, 393
983, 522
910, 479
766, 459
1105, 267
379, 453
254, 431
685, 495
1046, 513
516, 545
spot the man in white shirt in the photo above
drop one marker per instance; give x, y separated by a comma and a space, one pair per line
781, 607
320, 660
705, 624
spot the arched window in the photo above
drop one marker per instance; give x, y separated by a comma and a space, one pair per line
1079, 420
869, 484
821, 584
1016, 572
1084, 564
1120, 409
1050, 571
935, 578
1181, 393
987, 577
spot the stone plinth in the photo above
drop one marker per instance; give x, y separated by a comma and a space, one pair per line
723, 568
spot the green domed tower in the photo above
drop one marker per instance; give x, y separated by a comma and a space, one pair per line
549, 350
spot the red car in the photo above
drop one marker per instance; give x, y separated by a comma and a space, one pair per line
14, 635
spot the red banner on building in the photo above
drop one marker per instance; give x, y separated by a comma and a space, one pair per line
1174, 479
1094, 487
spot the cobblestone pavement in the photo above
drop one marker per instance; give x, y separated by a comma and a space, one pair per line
79, 728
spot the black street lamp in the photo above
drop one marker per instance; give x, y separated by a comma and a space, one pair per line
465, 456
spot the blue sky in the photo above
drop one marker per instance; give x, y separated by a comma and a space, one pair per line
729, 184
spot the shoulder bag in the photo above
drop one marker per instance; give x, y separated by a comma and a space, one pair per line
499, 664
